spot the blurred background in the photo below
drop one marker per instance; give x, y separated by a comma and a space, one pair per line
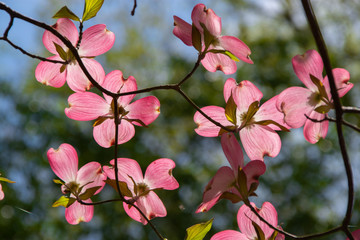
306, 183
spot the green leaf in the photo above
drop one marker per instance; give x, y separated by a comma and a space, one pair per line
323, 109
64, 201
320, 86
196, 38
64, 12
242, 183
57, 181
267, 122
91, 9
198, 231
2, 179
63, 67
230, 110
89, 193
123, 187
208, 38
60, 51
273, 236
259, 232
136, 120
232, 56
99, 121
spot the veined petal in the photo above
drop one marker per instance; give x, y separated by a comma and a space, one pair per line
85, 106
2, 195
104, 134
313, 131
295, 103
116, 83
159, 174
146, 109
246, 216
229, 235
260, 141
49, 73
244, 94
205, 127
66, 28
230, 84
183, 30
96, 40
91, 172
206, 206
306, 64
64, 162
232, 151
151, 205
201, 14
77, 212
128, 168
217, 61
342, 83
76, 78
236, 47
269, 111
253, 170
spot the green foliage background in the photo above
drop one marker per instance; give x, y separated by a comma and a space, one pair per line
306, 183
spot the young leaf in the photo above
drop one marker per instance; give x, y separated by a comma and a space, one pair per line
232, 56
91, 9
230, 110
198, 231
99, 121
242, 183
208, 38
221, 131
64, 12
323, 109
320, 86
136, 120
64, 201
123, 187
2, 179
259, 232
60, 51
231, 196
62, 68
89, 193
57, 181
196, 38
267, 122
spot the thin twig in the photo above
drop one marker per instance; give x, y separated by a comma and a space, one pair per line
327, 118
347, 109
134, 7
98, 203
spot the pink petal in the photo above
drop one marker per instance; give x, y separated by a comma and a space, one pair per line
85, 106
253, 170
295, 102
206, 206
205, 127
64, 162
355, 234
115, 82
213, 62
150, 205
342, 83
159, 174
236, 47
146, 109
104, 134
76, 78
208, 17
269, 111
66, 28
246, 216
77, 213
49, 74
2, 195
313, 131
229, 235
91, 175
244, 94
128, 168
183, 30
260, 141
232, 151
96, 40
306, 64
230, 84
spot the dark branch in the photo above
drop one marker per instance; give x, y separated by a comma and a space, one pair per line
347, 109
133, 10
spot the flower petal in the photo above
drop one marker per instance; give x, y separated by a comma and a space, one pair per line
64, 162
146, 109
76, 78
313, 131
104, 134
77, 212
49, 73
229, 85
244, 94
342, 83
205, 127
229, 235
201, 14
260, 141
96, 40
66, 28
91, 175
295, 103
85, 106
355, 234
217, 61
306, 64
269, 111
253, 170
236, 47
232, 151
183, 30
128, 168
159, 174
2, 195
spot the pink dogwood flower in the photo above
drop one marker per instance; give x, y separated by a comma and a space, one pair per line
226, 182
256, 124
64, 162
245, 219
2, 179
86, 106
158, 175
298, 103
213, 60
2, 195
95, 40
355, 234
